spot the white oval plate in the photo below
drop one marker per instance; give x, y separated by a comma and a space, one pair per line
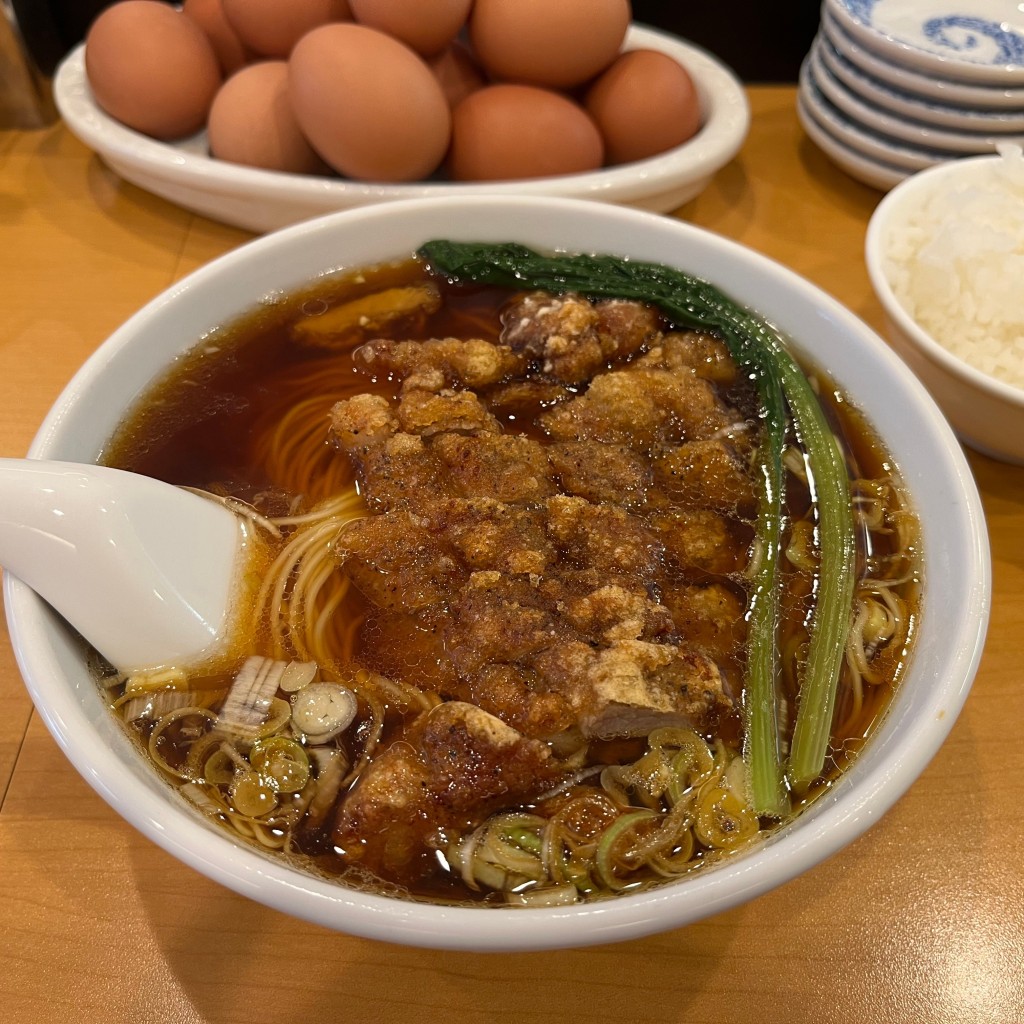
259, 200
979, 41
982, 97
875, 119
906, 104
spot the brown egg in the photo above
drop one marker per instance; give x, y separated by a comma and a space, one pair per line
272, 27
427, 27
369, 105
458, 72
644, 104
512, 131
252, 122
560, 44
151, 68
209, 16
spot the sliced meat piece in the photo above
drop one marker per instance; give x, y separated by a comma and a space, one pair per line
706, 474
441, 362
521, 400
710, 619
505, 467
633, 686
702, 540
399, 471
397, 563
384, 824
612, 613
427, 413
403, 307
490, 534
705, 354
561, 331
642, 408
600, 472
516, 696
456, 766
499, 618
361, 421
602, 537
626, 327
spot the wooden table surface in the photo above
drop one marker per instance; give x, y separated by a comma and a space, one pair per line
921, 920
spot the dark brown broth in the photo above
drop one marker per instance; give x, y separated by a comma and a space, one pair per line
202, 424
196, 425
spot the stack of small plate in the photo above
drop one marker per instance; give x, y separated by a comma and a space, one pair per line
891, 87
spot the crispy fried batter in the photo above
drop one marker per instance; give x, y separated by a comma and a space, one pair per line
632, 687
542, 584
457, 762
561, 331
699, 539
574, 338
703, 353
602, 537
599, 472
397, 562
490, 534
361, 421
625, 328
499, 618
427, 413
614, 612
642, 408
399, 471
441, 362
515, 694
501, 466
706, 473
709, 618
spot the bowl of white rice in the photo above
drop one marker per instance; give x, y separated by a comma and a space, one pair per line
945, 252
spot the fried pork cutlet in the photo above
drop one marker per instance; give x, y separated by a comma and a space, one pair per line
557, 544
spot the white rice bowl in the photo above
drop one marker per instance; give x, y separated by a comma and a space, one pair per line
945, 252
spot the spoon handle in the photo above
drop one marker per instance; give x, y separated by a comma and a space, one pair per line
143, 570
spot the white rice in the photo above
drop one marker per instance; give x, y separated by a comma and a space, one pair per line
955, 260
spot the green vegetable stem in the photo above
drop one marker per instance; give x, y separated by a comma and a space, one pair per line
785, 392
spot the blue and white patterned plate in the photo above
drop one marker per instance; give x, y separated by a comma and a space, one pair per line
905, 104
874, 173
893, 153
896, 126
1001, 96
979, 41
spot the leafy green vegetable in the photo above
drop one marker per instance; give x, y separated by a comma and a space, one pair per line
784, 391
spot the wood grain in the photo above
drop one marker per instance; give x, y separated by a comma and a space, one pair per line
921, 920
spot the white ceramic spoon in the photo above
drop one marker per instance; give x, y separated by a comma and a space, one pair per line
145, 571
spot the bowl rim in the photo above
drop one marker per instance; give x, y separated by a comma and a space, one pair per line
40, 642
874, 255
185, 162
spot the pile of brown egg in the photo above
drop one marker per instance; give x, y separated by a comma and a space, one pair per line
393, 90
